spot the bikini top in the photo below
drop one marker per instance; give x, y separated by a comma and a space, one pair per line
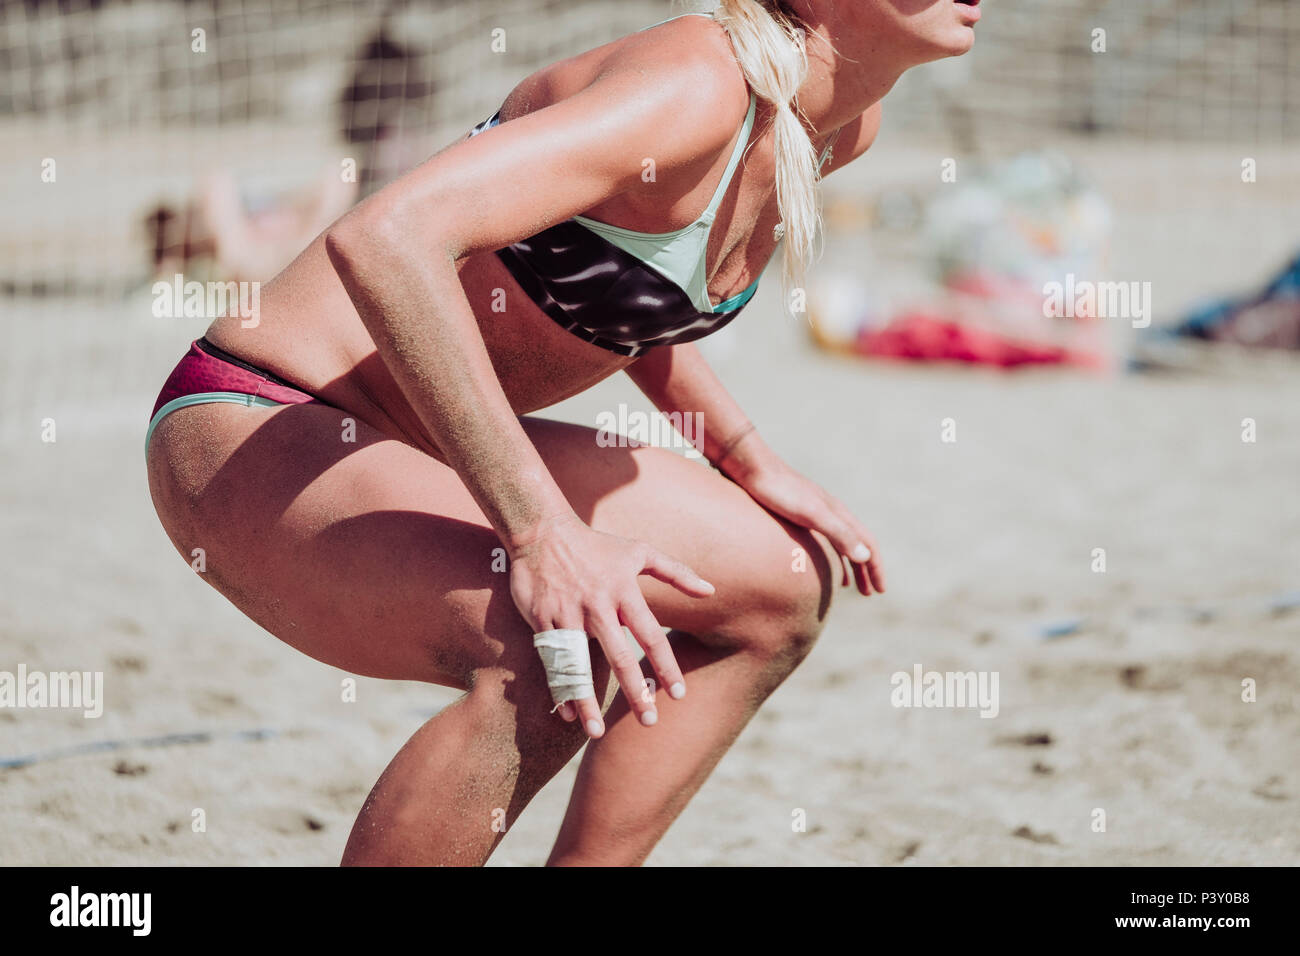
626, 291
622, 290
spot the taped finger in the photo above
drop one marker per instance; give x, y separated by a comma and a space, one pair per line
567, 659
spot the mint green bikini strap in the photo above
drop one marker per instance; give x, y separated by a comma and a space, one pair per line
744, 136
735, 159
736, 301
680, 16
202, 398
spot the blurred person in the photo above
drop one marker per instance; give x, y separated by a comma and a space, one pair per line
223, 234
236, 237
358, 464
383, 110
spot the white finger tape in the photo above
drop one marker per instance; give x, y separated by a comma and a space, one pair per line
567, 659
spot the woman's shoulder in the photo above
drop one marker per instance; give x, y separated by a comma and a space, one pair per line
690, 63
673, 93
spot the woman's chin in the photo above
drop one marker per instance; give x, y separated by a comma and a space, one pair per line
959, 41
942, 41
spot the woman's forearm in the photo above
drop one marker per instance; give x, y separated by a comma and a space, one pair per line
422, 324
678, 379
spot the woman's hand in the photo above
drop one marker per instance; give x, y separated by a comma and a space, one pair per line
568, 576
778, 487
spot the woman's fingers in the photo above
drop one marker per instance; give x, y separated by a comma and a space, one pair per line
641, 622
860, 548
557, 583
862, 579
876, 566
588, 712
623, 663
873, 566
847, 540
674, 572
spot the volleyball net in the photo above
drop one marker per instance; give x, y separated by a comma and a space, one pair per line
125, 124
112, 111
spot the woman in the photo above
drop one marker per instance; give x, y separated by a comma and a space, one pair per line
356, 463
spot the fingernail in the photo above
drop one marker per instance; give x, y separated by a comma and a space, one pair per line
649, 718
708, 587
593, 728
860, 553
677, 691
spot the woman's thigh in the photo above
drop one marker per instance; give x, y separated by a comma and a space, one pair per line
373, 557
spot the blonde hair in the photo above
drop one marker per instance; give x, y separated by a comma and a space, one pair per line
769, 44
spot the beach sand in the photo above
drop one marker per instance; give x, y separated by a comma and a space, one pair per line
1138, 712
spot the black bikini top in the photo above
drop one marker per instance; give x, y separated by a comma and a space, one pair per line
622, 290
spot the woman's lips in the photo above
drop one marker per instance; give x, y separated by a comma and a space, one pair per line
970, 10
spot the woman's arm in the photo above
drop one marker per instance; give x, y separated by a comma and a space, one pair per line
396, 255
678, 379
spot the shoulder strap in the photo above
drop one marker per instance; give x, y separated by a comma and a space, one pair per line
671, 19
736, 153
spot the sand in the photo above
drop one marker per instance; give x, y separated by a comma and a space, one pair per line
1137, 712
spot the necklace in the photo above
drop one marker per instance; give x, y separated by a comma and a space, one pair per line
778, 231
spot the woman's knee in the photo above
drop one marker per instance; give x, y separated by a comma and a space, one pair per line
785, 609
511, 725
510, 703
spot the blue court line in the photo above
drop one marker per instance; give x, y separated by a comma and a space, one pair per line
106, 746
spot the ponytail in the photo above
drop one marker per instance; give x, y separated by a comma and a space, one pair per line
769, 45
